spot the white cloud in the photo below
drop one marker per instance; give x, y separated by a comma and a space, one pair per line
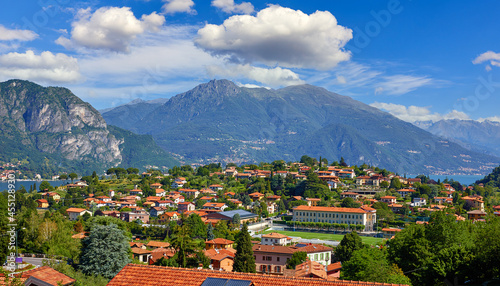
275, 77
178, 6
46, 67
229, 7
279, 36
401, 84
488, 56
492, 57
19, 35
109, 28
355, 74
154, 67
341, 79
249, 85
493, 118
151, 56
417, 113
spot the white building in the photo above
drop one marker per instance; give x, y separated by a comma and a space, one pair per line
418, 202
275, 238
74, 213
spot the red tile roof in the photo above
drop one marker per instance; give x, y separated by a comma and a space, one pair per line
391, 229
148, 275
334, 266
75, 210
312, 248
310, 268
219, 254
158, 253
49, 276
153, 243
137, 250
273, 249
275, 235
219, 241
330, 209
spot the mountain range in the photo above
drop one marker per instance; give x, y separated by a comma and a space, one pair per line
482, 136
221, 122
52, 130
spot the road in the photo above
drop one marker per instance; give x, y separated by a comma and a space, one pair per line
34, 261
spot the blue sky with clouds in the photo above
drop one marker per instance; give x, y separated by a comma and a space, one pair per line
419, 60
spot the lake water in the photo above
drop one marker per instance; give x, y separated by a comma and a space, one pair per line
463, 179
5, 186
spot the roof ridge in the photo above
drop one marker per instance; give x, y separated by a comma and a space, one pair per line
248, 275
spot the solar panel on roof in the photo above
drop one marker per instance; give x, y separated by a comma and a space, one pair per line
243, 214
210, 281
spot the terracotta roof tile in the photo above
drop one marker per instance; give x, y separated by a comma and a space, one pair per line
219, 241
148, 275
330, 209
153, 243
49, 276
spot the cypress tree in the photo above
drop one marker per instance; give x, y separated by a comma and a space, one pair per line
244, 261
210, 232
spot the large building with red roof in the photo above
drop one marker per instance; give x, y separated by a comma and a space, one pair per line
335, 215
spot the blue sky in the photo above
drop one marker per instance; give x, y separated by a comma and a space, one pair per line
419, 60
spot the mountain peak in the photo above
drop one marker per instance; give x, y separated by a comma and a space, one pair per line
220, 84
218, 88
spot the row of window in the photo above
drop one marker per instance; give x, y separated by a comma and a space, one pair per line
267, 269
330, 215
320, 256
270, 258
329, 221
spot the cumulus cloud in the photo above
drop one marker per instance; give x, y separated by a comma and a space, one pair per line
178, 6
18, 35
417, 113
492, 57
229, 7
279, 36
46, 67
109, 28
401, 84
275, 77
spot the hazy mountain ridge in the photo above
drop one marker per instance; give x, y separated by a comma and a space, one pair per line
219, 121
482, 137
51, 123
127, 115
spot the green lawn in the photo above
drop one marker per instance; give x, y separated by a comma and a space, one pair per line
326, 236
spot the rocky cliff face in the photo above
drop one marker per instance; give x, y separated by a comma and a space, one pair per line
54, 120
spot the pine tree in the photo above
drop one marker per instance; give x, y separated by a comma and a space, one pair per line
244, 261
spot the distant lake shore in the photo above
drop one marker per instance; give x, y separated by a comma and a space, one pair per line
463, 179
27, 183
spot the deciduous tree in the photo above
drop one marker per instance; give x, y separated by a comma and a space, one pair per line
297, 258
350, 243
